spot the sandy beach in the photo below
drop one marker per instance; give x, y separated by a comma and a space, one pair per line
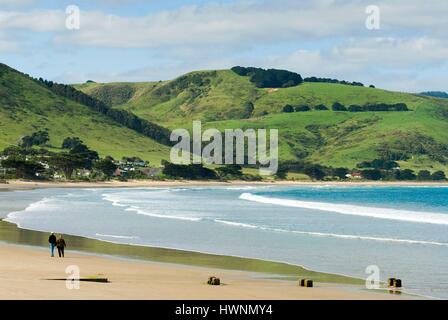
26, 185
24, 270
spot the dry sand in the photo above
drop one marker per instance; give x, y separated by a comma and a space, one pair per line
23, 271
26, 185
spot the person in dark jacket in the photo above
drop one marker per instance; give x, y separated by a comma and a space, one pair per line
60, 243
52, 241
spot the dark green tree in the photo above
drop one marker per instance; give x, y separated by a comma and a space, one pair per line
36, 139
424, 175
372, 174
81, 151
315, 172
438, 176
341, 173
288, 108
106, 166
67, 163
338, 107
320, 107
302, 108
282, 171
406, 174
24, 168
70, 143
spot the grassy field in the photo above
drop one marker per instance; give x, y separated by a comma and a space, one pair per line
219, 99
26, 107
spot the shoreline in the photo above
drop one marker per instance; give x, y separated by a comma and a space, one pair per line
29, 185
137, 280
266, 270
12, 234
272, 280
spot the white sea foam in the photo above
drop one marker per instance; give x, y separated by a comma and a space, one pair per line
355, 210
237, 224
332, 235
163, 216
115, 236
40, 205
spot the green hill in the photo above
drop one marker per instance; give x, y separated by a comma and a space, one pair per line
26, 107
223, 99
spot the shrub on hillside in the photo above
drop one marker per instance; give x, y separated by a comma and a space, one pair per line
320, 107
271, 78
338, 107
302, 108
288, 108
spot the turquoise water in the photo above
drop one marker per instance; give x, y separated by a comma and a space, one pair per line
402, 230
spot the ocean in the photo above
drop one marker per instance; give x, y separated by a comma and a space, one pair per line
337, 229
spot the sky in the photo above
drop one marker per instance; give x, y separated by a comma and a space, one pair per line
117, 40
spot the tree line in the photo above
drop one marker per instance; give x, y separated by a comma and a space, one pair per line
377, 107
329, 80
123, 117
377, 169
271, 78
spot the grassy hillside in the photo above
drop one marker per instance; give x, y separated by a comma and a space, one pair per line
219, 98
26, 106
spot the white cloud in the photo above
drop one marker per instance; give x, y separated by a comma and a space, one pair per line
323, 37
399, 64
36, 21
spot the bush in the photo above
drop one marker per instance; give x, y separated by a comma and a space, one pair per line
338, 107
288, 108
302, 108
438, 176
191, 171
271, 78
36, 139
424, 175
329, 80
406, 174
320, 107
70, 143
355, 108
379, 164
372, 174
315, 172
341, 173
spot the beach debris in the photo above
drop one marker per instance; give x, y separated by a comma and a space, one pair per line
397, 283
307, 283
394, 283
390, 282
95, 278
214, 281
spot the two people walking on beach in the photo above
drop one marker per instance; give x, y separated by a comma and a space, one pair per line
58, 243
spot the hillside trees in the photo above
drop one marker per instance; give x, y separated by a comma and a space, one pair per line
38, 138
106, 166
271, 78
23, 168
123, 117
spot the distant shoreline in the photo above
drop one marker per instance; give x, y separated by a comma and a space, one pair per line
28, 185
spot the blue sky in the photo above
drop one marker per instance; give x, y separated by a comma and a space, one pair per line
156, 40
